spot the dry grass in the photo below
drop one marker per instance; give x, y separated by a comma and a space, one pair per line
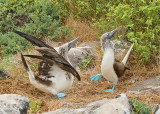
84, 91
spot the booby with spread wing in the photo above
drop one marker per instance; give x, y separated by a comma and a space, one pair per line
55, 68
111, 68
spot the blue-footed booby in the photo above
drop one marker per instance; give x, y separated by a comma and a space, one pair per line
55, 69
111, 68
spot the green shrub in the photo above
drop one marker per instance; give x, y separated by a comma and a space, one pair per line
140, 107
38, 18
142, 19
34, 106
10, 42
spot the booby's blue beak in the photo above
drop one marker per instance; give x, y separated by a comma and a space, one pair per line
71, 43
110, 34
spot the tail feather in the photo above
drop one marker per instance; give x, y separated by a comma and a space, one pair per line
33, 40
24, 62
125, 59
31, 74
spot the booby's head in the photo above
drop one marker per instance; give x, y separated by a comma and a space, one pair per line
105, 38
63, 50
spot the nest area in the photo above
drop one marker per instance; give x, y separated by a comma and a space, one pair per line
85, 91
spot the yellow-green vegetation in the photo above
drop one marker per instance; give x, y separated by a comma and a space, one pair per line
140, 107
7, 61
34, 106
86, 62
38, 18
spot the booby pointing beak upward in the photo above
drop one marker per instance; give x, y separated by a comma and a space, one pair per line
71, 43
110, 67
106, 37
56, 71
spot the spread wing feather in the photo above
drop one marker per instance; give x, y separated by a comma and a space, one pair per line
33, 40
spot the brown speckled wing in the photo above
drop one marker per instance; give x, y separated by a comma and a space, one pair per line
44, 67
49, 57
41, 80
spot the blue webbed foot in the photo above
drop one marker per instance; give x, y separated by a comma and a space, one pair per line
60, 95
111, 90
96, 77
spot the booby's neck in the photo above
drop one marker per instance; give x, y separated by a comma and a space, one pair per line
109, 54
106, 44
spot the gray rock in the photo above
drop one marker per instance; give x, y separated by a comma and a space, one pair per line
71, 105
120, 47
3, 74
79, 54
92, 44
121, 44
119, 105
155, 108
13, 104
157, 111
151, 85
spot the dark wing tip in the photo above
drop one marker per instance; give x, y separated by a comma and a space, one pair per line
15, 31
34, 56
79, 78
76, 74
19, 33
24, 62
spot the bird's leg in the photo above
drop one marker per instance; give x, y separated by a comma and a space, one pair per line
110, 90
59, 95
96, 77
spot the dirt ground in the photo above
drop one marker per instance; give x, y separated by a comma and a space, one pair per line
84, 91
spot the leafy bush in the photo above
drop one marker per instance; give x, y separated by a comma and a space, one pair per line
34, 106
10, 42
140, 17
38, 18
140, 107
